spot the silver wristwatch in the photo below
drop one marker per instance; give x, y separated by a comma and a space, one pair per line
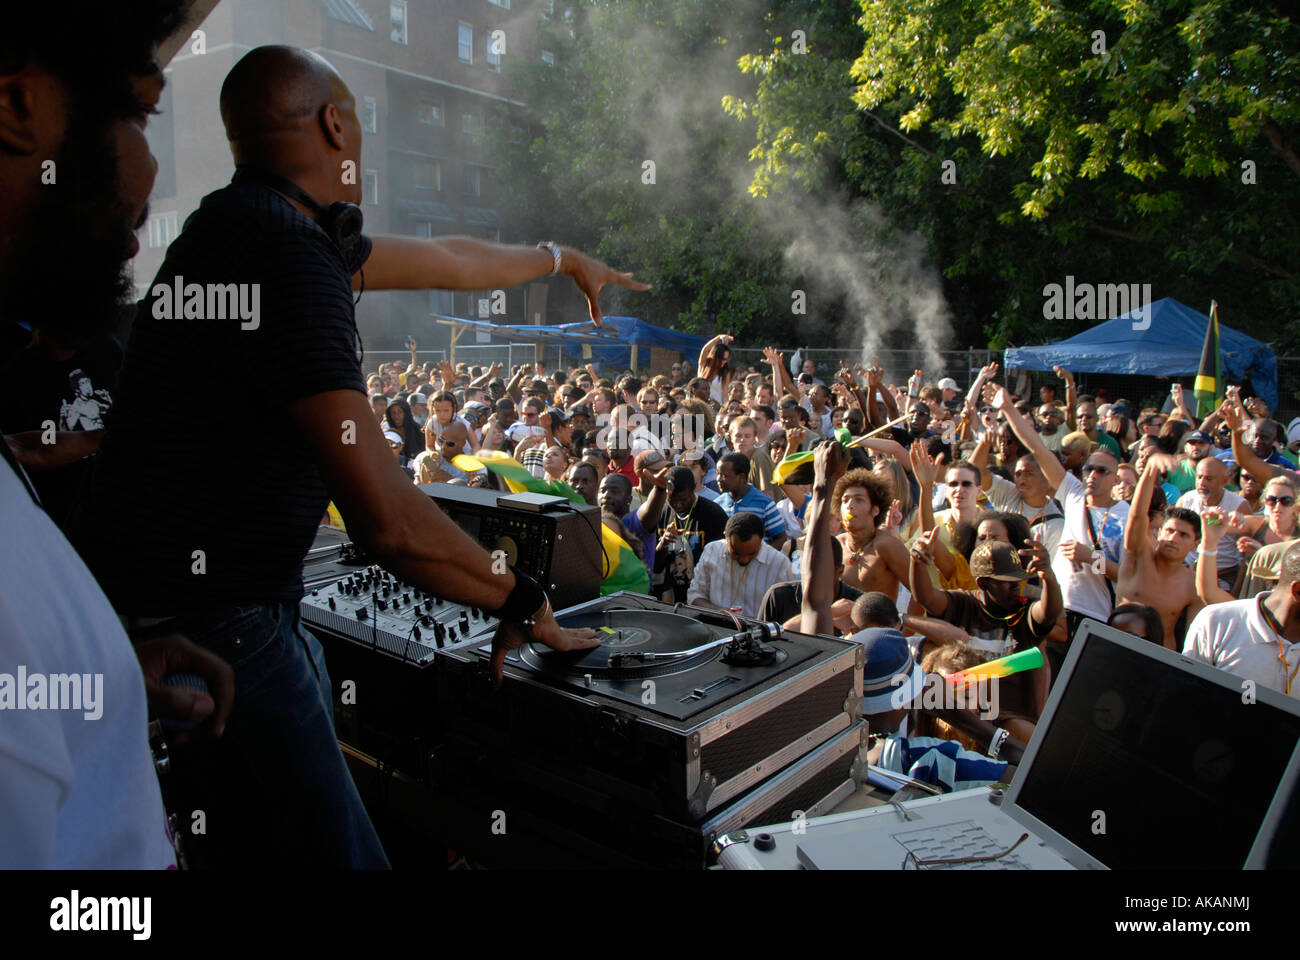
554, 249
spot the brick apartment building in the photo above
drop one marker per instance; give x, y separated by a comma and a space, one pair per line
427, 81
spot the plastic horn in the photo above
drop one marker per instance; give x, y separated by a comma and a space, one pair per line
880, 429
1030, 659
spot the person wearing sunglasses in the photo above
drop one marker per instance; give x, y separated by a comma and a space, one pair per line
1086, 563
1277, 524
939, 530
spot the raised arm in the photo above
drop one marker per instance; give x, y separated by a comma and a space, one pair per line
818, 565
1000, 399
1213, 527
1180, 410
782, 382
926, 593
980, 457
1071, 396
987, 373
1251, 462
463, 263
1135, 528
924, 469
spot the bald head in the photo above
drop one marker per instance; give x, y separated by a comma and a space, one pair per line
287, 110
1290, 569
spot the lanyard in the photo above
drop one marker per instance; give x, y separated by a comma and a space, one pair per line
744, 571
1287, 675
1096, 534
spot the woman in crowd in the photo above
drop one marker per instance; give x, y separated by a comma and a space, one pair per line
1277, 524
403, 424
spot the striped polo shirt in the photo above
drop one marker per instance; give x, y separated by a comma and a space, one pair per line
217, 501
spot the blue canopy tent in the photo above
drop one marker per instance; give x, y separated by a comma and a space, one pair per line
615, 342
1169, 346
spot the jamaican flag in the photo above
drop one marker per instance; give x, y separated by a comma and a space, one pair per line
623, 571
1209, 375
515, 475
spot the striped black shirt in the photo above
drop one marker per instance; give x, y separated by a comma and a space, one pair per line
204, 494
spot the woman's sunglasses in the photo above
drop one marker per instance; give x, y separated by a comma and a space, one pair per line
1272, 501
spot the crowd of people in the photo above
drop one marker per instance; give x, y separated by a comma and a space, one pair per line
939, 530
967, 526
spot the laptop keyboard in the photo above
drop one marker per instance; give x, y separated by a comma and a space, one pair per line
952, 841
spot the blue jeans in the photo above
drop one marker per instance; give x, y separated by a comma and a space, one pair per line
275, 789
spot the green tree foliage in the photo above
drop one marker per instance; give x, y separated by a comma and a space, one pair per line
638, 83
1104, 140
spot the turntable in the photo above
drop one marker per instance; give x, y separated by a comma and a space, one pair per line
678, 711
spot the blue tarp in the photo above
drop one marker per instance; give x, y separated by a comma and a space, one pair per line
1169, 347
610, 343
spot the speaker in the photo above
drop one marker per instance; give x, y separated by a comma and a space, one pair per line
551, 539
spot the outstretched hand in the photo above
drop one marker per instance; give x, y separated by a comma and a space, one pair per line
589, 275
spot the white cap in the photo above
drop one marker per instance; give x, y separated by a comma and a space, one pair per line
948, 383
1293, 431
392, 436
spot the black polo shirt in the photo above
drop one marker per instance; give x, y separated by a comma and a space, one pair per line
216, 500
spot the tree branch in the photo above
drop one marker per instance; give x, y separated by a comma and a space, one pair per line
1285, 148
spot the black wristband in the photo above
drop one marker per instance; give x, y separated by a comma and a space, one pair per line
525, 599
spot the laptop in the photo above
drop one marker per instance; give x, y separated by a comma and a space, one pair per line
1142, 759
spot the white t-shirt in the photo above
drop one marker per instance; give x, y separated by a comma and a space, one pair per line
77, 791
1045, 522
1083, 591
1235, 637
519, 430
1052, 441
1227, 555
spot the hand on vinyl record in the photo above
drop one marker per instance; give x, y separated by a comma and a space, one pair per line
511, 636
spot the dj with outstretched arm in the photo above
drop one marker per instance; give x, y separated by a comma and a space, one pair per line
203, 530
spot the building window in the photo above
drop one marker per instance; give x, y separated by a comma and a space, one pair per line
473, 181
370, 187
432, 113
397, 21
370, 115
548, 58
503, 4
162, 229
428, 175
424, 229
465, 42
493, 59
471, 123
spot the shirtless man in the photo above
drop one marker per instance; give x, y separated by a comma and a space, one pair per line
1159, 576
874, 558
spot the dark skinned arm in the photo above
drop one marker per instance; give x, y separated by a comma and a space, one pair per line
401, 527
934, 600
463, 263
818, 573
1000, 399
69, 446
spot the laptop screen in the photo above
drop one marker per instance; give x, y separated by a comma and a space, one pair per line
1146, 764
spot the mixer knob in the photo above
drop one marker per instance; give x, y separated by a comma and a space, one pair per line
331, 603
361, 613
383, 604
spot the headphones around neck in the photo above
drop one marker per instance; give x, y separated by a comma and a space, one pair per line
341, 221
